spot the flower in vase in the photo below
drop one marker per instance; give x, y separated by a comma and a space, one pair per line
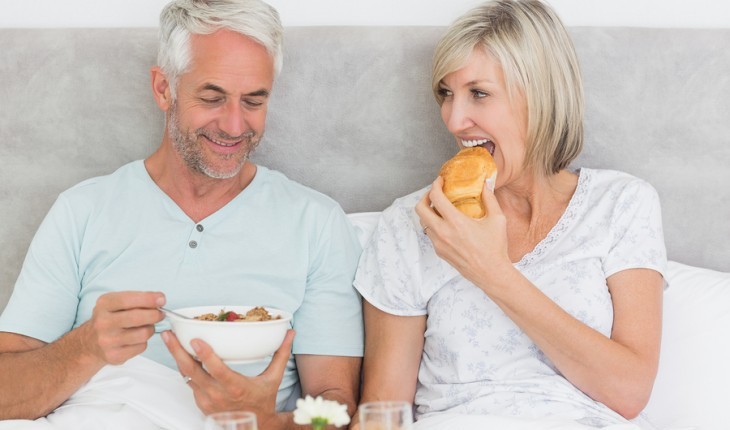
319, 413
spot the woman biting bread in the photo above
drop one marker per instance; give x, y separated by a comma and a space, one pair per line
546, 306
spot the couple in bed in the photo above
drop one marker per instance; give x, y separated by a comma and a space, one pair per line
546, 313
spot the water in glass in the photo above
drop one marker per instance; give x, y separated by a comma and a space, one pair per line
237, 420
386, 416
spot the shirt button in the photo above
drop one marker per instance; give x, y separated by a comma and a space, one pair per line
193, 244
199, 227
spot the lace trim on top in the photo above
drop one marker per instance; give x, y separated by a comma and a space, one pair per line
574, 209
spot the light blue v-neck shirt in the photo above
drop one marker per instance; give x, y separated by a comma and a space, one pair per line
278, 243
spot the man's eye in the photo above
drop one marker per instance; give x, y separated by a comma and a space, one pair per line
211, 101
443, 92
252, 102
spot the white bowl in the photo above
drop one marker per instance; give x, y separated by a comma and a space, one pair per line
234, 342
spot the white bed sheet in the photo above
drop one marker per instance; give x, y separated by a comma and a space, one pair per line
140, 394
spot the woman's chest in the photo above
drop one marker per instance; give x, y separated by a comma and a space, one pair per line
524, 235
465, 326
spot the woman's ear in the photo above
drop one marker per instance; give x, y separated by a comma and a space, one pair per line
161, 88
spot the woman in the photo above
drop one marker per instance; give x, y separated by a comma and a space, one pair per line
548, 310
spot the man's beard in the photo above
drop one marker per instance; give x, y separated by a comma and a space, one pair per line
188, 145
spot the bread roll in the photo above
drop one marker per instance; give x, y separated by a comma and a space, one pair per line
464, 177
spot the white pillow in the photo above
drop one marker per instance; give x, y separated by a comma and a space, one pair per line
364, 223
693, 384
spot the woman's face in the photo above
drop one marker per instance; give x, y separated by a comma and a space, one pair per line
477, 110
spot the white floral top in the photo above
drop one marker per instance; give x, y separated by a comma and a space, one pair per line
475, 359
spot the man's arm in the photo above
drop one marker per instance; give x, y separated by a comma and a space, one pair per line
37, 377
332, 377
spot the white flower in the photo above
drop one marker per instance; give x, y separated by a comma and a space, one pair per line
320, 412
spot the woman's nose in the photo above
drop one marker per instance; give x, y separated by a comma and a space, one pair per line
456, 115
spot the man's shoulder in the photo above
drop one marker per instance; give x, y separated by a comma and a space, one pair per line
296, 192
98, 190
121, 175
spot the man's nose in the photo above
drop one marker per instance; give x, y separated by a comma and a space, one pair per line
233, 121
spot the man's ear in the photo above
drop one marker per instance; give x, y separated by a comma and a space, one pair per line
161, 88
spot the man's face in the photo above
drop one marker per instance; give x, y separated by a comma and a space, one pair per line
219, 114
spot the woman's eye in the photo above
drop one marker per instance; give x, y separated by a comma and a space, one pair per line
443, 92
478, 94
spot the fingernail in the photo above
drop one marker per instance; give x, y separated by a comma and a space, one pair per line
165, 335
196, 346
161, 301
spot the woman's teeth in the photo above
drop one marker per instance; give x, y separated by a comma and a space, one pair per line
472, 143
486, 143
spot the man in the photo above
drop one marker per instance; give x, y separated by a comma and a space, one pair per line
195, 223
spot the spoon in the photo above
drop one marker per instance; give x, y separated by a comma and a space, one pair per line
169, 312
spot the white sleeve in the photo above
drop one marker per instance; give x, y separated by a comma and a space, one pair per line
636, 225
394, 270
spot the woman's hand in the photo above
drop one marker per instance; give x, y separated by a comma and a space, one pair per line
476, 248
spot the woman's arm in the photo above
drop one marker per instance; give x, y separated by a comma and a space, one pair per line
393, 349
618, 371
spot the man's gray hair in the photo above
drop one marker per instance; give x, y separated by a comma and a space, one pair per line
180, 19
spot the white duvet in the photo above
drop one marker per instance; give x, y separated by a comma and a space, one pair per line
140, 395
144, 395
448, 421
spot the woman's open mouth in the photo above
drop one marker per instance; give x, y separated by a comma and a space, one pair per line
486, 143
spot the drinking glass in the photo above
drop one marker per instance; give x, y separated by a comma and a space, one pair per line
388, 415
237, 420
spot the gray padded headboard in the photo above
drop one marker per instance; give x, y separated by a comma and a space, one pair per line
353, 116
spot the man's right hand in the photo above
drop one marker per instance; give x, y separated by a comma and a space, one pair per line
37, 377
121, 325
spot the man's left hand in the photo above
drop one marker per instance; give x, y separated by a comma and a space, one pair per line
218, 388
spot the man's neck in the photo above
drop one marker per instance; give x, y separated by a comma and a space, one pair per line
197, 194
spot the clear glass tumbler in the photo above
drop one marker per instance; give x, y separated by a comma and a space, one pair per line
236, 420
387, 415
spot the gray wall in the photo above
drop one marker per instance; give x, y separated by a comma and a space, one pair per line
352, 115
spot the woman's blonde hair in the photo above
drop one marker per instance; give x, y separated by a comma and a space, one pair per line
538, 59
